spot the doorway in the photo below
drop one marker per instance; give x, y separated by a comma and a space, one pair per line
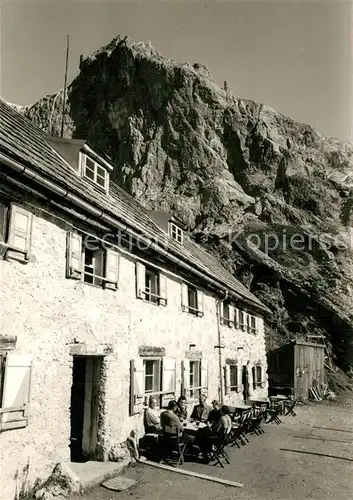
245, 382
86, 380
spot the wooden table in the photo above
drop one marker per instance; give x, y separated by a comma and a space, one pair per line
279, 397
260, 401
240, 408
192, 427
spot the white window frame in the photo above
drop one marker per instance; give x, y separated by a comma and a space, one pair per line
97, 278
192, 309
154, 298
195, 389
233, 388
107, 276
252, 329
96, 167
242, 326
227, 314
156, 377
258, 381
175, 232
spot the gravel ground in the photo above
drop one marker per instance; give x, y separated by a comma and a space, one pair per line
265, 467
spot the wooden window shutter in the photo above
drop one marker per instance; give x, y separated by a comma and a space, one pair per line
163, 289
14, 410
221, 309
231, 315
200, 304
245, 320
185, 377
140, 280
3, 222
112, 265
240, 387
20, 230
204, 375
184, 297
137, 386
168, 380
253, 370
227, 380
74, 255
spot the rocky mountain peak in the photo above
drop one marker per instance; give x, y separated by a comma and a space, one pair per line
237, 172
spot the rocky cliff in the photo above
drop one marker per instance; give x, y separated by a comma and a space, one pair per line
270, 196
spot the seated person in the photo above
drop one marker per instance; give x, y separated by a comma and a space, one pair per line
224, 423
209, 436
215, 413
201, 411
152, 417
181, 410
170, 419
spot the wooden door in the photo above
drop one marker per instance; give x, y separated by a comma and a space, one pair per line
302, 369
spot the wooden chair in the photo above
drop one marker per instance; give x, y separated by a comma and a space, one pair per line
289, 407
218, 448
238, 431
171, 443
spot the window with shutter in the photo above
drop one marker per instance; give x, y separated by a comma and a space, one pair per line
192, 300
233, 378
227, 314
151, 285
15, 232
14, 408
88, 261
195, 379
257, 376
241, 320
251, 324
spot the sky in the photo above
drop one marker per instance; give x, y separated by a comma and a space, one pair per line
291, 55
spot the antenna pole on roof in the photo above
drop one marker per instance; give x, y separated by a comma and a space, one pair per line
65, 84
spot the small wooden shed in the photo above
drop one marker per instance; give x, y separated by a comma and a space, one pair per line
296, 366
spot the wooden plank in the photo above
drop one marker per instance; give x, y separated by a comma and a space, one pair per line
192, 474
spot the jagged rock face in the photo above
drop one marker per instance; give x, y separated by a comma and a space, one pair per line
241, 175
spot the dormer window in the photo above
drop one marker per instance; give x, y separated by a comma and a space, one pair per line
175, 232
93, 171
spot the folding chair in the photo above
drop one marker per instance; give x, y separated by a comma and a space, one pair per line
289, 407
218, 450
238, 431
273, 414
255, 421
171, 442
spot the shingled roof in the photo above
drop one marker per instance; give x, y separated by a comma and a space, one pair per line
21, 140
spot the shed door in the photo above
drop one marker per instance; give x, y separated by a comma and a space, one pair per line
302, 375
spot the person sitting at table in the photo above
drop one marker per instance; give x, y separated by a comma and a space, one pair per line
182, 411
224, 423
201, 411
170, 419
214, 414
209, 436
152, 416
